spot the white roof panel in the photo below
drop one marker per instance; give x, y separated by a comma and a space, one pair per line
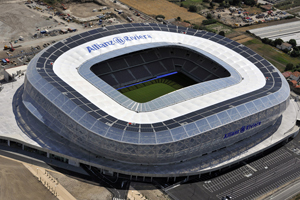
66, 66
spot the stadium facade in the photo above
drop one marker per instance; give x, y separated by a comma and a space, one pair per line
236, 104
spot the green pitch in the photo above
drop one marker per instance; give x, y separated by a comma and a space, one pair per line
149, 92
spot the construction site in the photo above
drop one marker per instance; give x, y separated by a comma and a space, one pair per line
28, 27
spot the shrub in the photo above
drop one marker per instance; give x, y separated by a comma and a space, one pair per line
222, 33
278, 41
266, 40
193, 8
295, 53
209, 16
209, 21
289, 67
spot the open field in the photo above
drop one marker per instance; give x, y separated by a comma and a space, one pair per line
294, 10
217, 27
16, 182
273, 55
84, 9
163, 7
149, 92
287, 4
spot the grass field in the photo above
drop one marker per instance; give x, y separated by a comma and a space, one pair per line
163, 7
150, 92
272, 54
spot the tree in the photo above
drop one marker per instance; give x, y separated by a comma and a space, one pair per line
266, 40
209, 16
236, 2
249, 2
278, 41
211, 5
295, 53
272, 43
293, 42
289, 67
193, 8
222, 33
178, 19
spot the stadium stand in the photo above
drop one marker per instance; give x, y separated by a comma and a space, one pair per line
148, 64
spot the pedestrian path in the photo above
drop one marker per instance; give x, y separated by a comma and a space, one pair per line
49, 182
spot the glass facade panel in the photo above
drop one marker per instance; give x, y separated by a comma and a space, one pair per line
224, 117
213, 121
243, 111
233, 114
203, 125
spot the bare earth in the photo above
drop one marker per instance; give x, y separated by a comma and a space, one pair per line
81, 190
16, 21
84, 9
17, 183
163, 7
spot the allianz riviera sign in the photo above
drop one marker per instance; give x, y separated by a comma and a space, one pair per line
116, 40
242, 129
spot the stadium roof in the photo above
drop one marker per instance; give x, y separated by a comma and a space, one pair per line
245, 77
111, 121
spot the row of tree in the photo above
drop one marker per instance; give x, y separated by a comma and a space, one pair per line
234, 2
278, 41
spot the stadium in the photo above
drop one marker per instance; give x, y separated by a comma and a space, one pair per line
157, 100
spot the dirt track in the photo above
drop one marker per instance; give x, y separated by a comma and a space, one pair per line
17, 183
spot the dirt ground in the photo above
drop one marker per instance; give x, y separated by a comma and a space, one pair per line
239, 37
163, 7
16, 21
85, 10
143, 191
81, 190
17, 183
